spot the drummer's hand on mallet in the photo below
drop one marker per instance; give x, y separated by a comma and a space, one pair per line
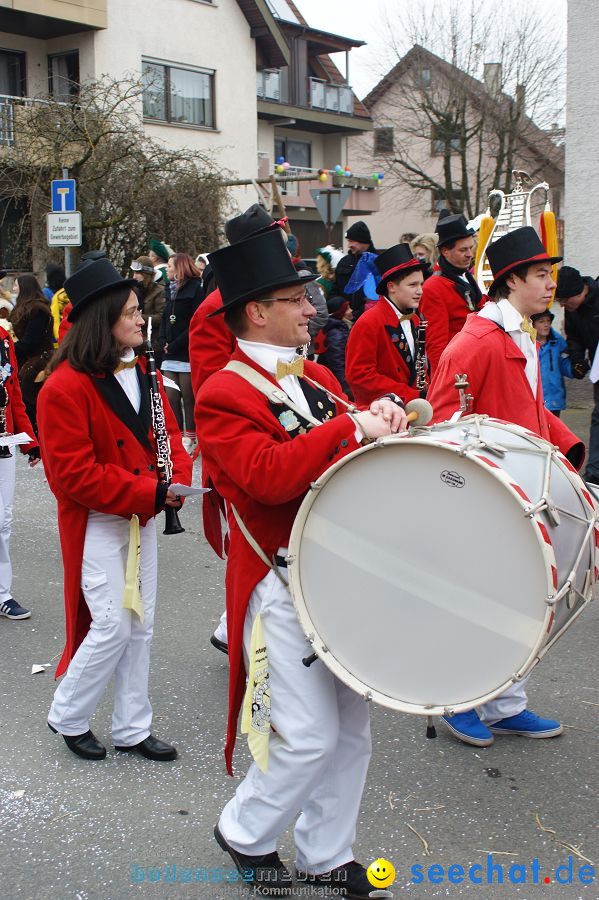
391, 412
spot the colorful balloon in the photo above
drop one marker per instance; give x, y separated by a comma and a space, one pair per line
323, 177
280, 160
286, 165
279, 170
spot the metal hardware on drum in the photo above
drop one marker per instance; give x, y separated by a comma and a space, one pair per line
461, 385
308, 660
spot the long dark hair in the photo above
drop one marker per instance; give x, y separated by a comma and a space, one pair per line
89, 345
30, 297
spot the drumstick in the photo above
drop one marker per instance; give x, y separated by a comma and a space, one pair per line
420, 411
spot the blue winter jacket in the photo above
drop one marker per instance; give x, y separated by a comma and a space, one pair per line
555, 364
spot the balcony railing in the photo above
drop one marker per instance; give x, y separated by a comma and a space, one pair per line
268, 84
7, 115
331, 97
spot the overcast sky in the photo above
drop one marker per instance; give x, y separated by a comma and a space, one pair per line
364, 19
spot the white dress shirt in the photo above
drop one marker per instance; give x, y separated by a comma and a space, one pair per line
506, 315
128, 380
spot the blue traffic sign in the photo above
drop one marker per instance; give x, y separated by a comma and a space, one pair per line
64, 197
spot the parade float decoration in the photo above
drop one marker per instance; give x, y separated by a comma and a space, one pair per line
514, 212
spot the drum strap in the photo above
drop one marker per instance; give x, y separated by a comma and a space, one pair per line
256, 546
271, 391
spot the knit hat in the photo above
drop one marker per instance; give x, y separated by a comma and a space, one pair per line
331, 254
537, 316
570, 283
359, 232
162, 250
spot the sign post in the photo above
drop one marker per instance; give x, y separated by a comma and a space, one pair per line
64, 222
329, 203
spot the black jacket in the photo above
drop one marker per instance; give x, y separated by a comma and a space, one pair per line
582, 329
175, 335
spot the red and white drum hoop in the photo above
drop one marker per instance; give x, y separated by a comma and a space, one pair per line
432, 570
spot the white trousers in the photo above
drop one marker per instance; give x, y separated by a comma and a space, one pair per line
318, 757
510, 703
221, 629
117, 642
7, 493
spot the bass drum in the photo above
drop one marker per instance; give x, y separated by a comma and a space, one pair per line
431, 570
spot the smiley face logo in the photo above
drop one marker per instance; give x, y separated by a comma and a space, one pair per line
380, 873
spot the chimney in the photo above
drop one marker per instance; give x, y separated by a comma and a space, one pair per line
492, 78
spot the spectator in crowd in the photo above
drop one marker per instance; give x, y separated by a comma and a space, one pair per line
159, 253
359, 242
331, 341
54, 280
451, 293
554, 360
316, 296
407, 237
31, 320
184, 295
579, 296
424, 248
151, 298
327, 259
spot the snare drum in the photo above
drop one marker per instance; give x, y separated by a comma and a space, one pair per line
431, 570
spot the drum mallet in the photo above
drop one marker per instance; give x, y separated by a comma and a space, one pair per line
419, 411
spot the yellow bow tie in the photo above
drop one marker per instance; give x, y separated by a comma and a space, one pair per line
407, 318
126, 365
295, 367
527, 327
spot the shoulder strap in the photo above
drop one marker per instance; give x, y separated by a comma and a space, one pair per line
254, 543
262, 384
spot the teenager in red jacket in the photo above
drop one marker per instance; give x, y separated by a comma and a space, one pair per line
99, 453
451, 292
497, 352
262, 458
382, 348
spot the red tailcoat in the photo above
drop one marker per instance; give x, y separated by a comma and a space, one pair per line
445, 310
495, 367
378, 361
210, 341
255, 465
98, 454
17, 419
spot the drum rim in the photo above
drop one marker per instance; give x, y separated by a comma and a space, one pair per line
543, 540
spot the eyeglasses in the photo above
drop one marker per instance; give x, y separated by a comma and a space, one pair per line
131, 313
297, 301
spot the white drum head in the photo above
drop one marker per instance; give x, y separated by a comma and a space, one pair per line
419, 627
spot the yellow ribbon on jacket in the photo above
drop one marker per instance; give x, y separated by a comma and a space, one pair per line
132, 593
528, 328
255, 715
295, 367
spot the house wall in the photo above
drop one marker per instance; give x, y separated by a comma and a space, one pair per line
582, 146
406, 210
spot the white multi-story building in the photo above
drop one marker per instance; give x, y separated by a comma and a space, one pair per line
247, 80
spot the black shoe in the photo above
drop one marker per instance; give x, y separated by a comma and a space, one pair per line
220, 645
270, 877
87, 745
349, 880
152, 748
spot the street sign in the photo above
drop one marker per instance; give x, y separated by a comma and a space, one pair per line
64, 229
64, 197
329, 202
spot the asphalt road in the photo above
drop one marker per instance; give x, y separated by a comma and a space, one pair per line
77, 830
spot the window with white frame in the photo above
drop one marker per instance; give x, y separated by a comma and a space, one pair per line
177, 94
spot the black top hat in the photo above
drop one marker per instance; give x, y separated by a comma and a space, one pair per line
452, 228
252, 268
570, 283
254, 220
90, 281
516, 248
393, 262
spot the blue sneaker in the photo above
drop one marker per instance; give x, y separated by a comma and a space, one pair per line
528, 724
12, 610
468, 728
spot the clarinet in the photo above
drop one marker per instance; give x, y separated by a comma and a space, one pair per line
4, 451
164, 465
421, 360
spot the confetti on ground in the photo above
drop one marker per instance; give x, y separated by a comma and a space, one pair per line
35, 670
16, 795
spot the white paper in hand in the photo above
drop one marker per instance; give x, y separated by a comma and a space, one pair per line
186, 490
11, 440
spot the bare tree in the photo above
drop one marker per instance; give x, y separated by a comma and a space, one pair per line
473, 89
129, 187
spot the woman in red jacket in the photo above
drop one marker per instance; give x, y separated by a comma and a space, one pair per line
99, 452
